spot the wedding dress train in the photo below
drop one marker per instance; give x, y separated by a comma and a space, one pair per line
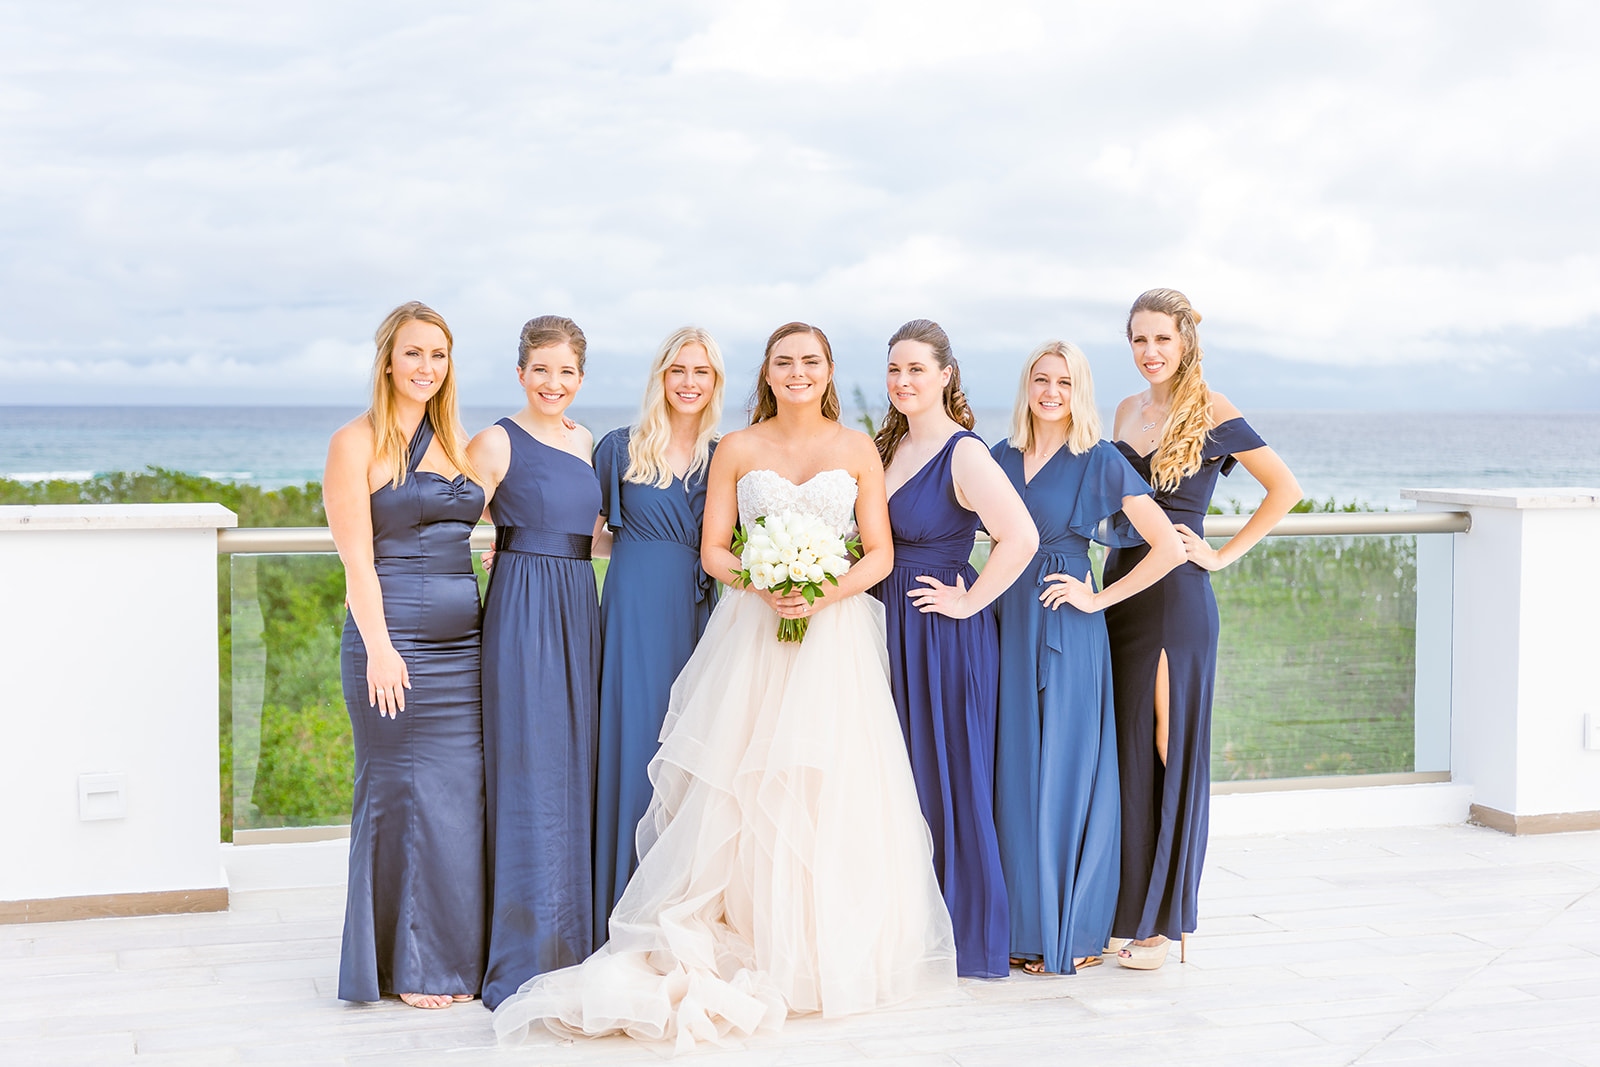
785, 866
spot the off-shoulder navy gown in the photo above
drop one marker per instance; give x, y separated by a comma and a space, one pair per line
1166, 807
541, 663
414, 910
943, 673
1056, 804
656, 604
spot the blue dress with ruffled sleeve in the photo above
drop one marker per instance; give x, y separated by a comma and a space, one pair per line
1056, 795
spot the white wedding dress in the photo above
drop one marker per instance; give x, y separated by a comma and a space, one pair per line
785, 866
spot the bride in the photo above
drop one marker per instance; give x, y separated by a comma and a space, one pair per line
784, 865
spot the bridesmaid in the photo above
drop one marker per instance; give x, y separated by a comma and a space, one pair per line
943, 658
541, 660
1179, 436
1056, 804
657, 597
402, 498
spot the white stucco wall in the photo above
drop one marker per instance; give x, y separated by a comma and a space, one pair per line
1525, 627
108, 665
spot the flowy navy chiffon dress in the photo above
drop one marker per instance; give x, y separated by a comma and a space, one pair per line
943, 672
414, 909
1056, 804
656, 604
541, 663
1166, 807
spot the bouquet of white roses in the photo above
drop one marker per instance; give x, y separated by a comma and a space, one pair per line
791, 553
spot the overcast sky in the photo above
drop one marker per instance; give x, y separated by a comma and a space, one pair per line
1373, 204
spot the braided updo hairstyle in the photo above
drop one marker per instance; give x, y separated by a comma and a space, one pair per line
895, 426
1183, 436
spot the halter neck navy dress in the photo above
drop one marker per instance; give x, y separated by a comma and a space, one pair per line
414, 910
541, 661
656, 605
1166, 807
944, 675
1056, 800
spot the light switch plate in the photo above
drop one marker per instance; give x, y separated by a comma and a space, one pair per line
102, 796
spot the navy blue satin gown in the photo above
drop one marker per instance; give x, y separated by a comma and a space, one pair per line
1166, 808
656, 605
1056, 804
414, 913
943, 673
541, 663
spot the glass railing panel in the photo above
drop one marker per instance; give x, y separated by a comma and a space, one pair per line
288, 732
1317, 662
285, 733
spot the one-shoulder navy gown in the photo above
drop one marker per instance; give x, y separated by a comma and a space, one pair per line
943, 673
656, 605
1166, 807
1056, 804
414, 910
541, 663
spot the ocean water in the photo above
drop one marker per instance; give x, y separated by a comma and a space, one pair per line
1365, 457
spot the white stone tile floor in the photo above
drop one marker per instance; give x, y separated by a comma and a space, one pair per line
1437, 945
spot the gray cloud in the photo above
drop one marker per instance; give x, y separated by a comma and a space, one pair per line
207, 202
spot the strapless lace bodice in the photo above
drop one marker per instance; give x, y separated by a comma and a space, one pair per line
831, 496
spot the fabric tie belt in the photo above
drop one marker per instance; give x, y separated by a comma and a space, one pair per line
953, 552
1062, 558
703, 582
543, 542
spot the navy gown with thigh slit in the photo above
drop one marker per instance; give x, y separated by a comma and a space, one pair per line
1166, 807
1056, 763
541, 665
656, 605
414, 910
944, 675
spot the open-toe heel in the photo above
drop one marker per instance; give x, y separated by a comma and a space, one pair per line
1144, 957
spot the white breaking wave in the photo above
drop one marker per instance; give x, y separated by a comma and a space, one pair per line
49, 476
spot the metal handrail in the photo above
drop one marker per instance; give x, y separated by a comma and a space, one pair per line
287, 540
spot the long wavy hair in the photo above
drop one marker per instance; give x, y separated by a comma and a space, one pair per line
652, 433
392, 444
1183, 435
763, 403
1083, 418
895, 426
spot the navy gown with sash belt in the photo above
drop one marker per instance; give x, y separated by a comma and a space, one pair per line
414, 910
656, 605
943, 673
541, 661
1166, 807
1056, 801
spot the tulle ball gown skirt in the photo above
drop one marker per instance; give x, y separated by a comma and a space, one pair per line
785, 865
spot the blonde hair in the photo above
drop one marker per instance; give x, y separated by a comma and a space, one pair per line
764, 403
647, 444
1083, 418
895, 425
392, 445
1183, 436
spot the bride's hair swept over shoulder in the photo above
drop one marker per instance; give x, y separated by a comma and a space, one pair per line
763, 404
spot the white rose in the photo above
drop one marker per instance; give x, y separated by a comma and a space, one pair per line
761, 576
780, 574
814, 573
835, 565
789, 554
